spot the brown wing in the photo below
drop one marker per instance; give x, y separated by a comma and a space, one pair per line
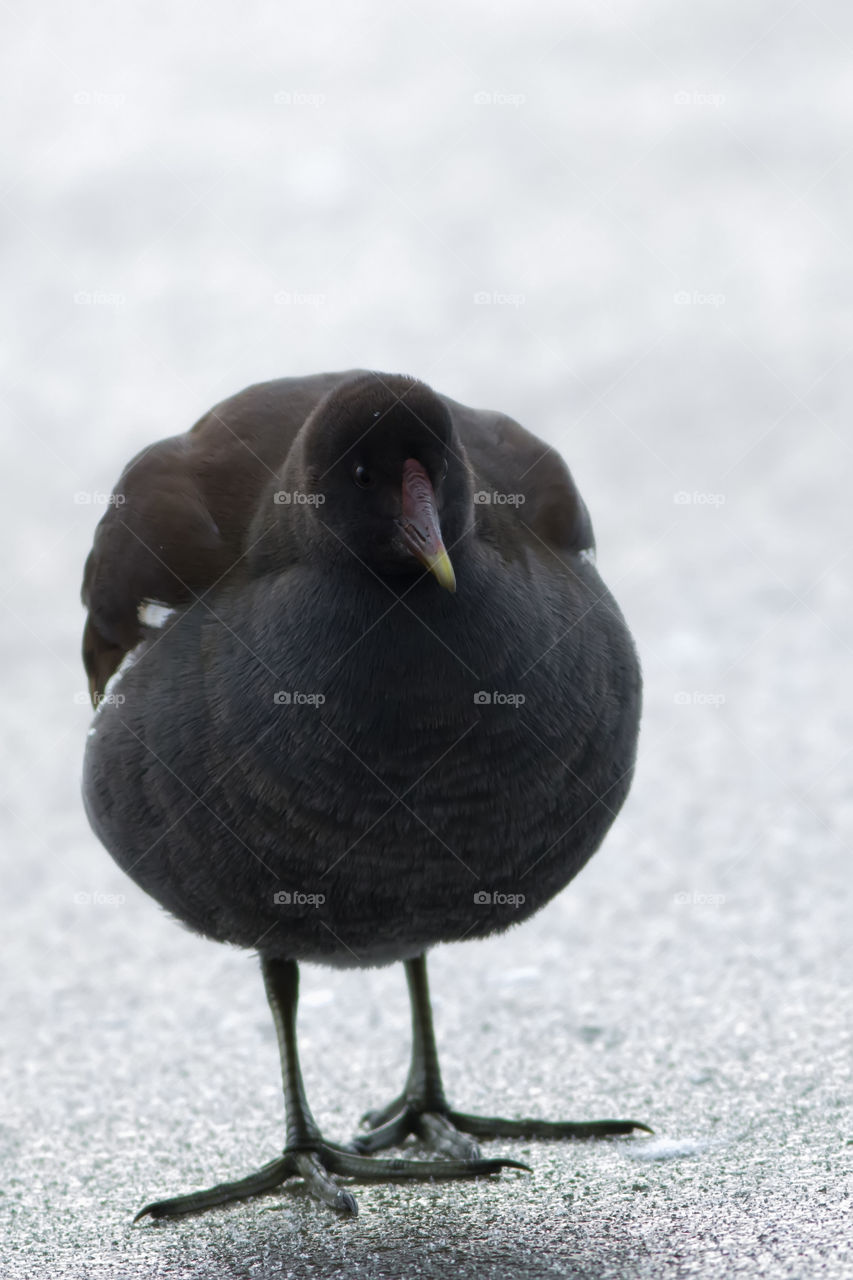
179, 513
511, 461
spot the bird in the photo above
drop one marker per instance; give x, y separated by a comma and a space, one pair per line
359, 690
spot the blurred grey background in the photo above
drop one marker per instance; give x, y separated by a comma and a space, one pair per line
629, 226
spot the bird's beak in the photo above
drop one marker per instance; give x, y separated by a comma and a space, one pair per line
419, 524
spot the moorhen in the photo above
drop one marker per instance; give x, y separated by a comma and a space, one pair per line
359, 690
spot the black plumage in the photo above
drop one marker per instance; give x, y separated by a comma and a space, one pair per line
323, 755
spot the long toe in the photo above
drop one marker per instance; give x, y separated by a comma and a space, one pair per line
265, 1179
368, 1169
495, 1127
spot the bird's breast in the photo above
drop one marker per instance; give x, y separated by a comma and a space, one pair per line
398, 758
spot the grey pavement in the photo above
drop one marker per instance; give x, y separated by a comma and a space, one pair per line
629, 226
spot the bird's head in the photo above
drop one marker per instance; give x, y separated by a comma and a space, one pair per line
379, 470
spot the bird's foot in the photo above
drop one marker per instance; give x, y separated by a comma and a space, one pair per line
317, 1167
454, 1133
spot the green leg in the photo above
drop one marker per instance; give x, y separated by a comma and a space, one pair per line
306, 1154
422, 1108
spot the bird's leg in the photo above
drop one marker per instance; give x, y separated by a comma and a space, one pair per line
422, 1108
307, 1154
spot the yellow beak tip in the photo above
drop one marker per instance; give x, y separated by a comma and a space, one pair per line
442, 570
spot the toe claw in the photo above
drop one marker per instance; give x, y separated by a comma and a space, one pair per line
313, 1167
347, 1203
146, 1211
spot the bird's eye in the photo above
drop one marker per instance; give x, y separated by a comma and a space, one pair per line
363, 477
